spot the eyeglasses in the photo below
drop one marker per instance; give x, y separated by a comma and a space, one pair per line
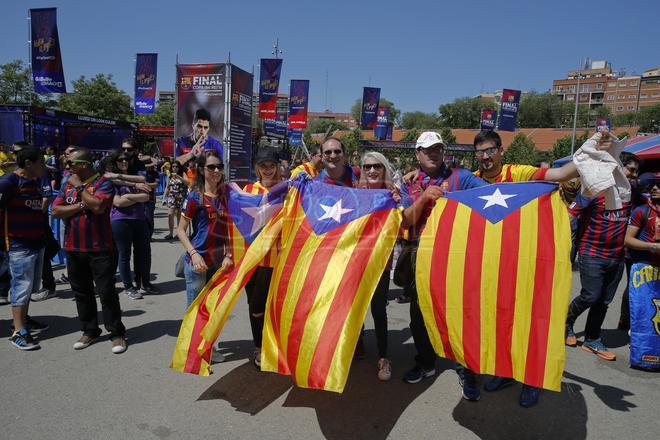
375, 166
72, 162
213, 168
489, 151
337, 152
122, 159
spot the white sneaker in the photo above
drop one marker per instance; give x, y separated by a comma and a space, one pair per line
118, 345
132, 293
43, 295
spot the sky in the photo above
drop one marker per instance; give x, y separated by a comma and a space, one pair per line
421, 53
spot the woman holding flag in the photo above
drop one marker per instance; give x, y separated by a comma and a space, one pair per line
205, 207
268, 174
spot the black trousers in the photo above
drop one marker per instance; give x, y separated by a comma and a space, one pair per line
87, 270
624, 316
257, 294
379, 312
425, 357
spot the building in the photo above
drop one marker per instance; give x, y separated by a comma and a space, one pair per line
599, 85
166, 96
496, 96
342, 118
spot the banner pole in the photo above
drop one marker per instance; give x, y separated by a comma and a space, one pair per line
29, 62
134, 77
176, 107
227, 128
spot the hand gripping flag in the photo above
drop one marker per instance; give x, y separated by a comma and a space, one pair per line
249, 214
335, 245
494, 278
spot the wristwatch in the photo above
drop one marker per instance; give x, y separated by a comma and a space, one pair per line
80, 189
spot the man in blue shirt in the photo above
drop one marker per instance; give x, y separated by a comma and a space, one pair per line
191, 146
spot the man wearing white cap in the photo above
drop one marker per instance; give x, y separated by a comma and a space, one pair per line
418, 198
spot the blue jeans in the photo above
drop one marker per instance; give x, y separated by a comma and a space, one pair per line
131, 234
599, 278
25, 267
195, 281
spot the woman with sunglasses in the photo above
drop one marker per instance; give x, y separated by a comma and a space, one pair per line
129, 228
377, 174
268, 174
175, 194
206, 209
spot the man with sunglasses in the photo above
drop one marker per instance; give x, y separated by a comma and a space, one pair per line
84, 204
336, 171
191, 146
418, 197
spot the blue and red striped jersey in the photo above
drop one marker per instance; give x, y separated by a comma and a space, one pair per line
601, 232
86, 231
184, 145
22, 218
349, 178
646, 218
208, 215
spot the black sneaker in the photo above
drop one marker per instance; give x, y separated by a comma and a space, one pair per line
417, 373
468, 381
34, 327
23, 340
151, 289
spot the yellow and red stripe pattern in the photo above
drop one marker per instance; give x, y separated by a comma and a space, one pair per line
494, 292
307, 168
322, 285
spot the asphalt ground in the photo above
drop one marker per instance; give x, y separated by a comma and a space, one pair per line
59, 393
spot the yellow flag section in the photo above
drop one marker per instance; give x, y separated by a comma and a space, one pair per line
494, 295
207, 315
321, 287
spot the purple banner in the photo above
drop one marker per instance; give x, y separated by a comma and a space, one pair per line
269, 82
370, 99
146, 67
47, 70
380, 132
298, 98
508, 110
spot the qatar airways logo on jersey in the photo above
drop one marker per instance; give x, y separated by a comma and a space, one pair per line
35, 205
203, 82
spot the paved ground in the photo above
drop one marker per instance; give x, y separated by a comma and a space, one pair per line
59, 393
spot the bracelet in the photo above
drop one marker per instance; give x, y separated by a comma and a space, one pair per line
192, 252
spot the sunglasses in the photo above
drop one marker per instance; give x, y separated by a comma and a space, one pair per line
214, 167
70, 163
375, 166
128, 149
329, 152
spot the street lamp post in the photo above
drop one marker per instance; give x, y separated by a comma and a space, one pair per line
575, 113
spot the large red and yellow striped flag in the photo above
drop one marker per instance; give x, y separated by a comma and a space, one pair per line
207, 315
494, 280
335, 245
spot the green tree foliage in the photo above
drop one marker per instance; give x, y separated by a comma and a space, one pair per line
420, 120
539, 110
562, 147
325, 125
521, 151
394, 115
464, 112
16, 86
164, 115
351, 141
447, 136
98, 96
648, 118
411, 135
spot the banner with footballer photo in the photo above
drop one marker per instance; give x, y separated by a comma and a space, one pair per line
146, 66
200, 88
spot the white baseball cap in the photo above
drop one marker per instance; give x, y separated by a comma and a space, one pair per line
429, 139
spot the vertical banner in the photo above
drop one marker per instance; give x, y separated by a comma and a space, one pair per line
240, 126
380, 131
47, 70
269, 81
200, 90
146, 67
603, 124
488, 119
370, 99
298, 97
295, 136
281, 124
509, 110
390, 131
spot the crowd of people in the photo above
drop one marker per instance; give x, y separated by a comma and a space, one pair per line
107, 206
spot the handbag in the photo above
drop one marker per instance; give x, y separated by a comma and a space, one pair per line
179, 267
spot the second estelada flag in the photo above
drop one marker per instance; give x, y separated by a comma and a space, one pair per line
269, 82
497, 297
336, 243
146, 68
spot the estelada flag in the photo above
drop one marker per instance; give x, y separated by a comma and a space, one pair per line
249, 216
335, 242
494, 279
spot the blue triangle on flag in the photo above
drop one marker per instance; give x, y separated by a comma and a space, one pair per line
250, 212
496, 201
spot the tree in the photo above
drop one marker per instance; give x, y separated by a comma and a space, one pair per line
98, 96
16, 86
562, 146
447, 136
464, 112
521, 151
164, 115
539, 110
393, 116
420, 120
351, 141
325, 125
648, 118
410, 136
